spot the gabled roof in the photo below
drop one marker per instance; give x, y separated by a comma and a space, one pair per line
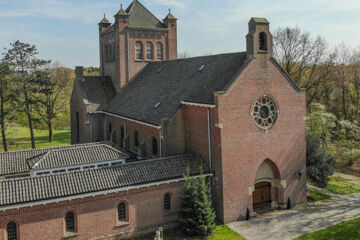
20, 162
170, 82
76, 155
99, 90
47, 187
141, 17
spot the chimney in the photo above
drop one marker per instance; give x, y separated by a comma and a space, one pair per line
79, 73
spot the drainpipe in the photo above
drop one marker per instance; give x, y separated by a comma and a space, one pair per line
209, 138
128, 56
91, 128
160, 141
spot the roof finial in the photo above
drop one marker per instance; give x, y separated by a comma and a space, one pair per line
169, 10
120, 6
104, 15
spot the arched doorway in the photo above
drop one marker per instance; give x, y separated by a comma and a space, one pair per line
264, 182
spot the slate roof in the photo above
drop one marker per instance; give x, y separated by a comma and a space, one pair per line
18, 162
99, 90
77, 155
31, 189
141, 17
170, 82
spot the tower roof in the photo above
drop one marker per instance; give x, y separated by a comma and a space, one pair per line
170, 17
121, 12
141, 17
104, 21
259, 20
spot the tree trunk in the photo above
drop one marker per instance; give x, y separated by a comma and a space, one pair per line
3, 134
28, 114
51, 136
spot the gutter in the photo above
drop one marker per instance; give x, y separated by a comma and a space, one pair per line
130, 119
93, 194
198, 104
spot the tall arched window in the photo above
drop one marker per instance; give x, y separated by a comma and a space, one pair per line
109, 131
70, 222
149, 50
262, 41
136, 138
122, 136
139, 50
159, 51
167, 201
106, 53
11, 231
154, 146
77, 127
122, 211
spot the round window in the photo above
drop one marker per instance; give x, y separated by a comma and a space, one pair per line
264, 112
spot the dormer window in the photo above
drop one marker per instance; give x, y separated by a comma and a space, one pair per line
139, 50
263, 41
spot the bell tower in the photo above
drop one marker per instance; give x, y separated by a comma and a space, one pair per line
259, 39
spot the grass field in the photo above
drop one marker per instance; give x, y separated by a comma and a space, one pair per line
222, 232
18, 138
349, 230
314, 196
341, 186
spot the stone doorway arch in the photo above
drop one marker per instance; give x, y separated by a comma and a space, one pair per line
264, 191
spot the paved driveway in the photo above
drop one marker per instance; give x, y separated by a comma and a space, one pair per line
289, 224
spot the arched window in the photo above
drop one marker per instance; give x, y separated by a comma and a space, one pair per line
112, 52
77, 127
154, 146
262, 41
70, 222
136, 138
122, 211
109, 131
122, 136
11, 231
159, 51
149, 50
139, 50
105, 53
167, 201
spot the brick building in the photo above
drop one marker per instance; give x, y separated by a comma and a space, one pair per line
237, 114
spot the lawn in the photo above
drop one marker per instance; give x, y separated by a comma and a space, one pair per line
18, 138
314, 196
222, 232
341, 186
349, 230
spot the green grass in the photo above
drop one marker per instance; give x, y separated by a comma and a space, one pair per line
314, 196
349, 230
18, 138
341, 186
222, 232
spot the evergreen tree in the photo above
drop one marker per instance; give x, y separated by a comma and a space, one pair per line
197, 214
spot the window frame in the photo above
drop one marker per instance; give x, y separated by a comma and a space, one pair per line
159, 51
167, 201
16, 230
149, 50
136, 138
139, 50
67, 230
124, 215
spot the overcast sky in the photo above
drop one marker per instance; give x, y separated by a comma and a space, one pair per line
67, 31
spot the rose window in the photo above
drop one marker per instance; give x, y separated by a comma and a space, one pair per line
264, 112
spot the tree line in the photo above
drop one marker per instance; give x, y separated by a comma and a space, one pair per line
31, 87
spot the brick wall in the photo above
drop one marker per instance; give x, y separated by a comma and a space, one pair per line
96, 217
244, 146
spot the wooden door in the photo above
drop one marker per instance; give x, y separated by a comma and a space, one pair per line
262, 195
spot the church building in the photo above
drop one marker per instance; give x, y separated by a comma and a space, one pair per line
147, 117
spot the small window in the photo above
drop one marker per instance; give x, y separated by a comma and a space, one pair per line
136, 138
139, 50
262, 41
167, 201
154, 146
70, 222
159, 51
11, 231
149, 50
122, 211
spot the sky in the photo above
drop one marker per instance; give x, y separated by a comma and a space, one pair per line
66, 30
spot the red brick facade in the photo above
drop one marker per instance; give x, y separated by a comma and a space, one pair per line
97, 217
